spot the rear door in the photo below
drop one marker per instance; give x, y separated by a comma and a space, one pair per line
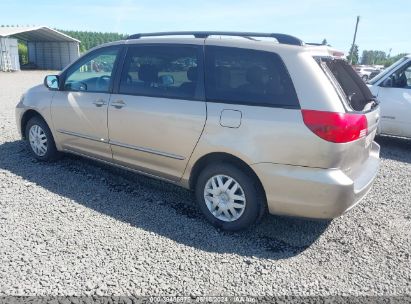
158, 112
357, 99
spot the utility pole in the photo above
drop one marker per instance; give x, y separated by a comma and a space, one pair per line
353, 41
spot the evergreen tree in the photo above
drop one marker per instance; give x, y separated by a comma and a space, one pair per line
89, 40
353, 55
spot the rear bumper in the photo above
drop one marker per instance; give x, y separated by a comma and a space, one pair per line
314, 192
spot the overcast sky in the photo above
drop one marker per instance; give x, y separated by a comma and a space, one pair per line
384, 24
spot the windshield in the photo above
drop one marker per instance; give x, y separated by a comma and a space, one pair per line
387, 70
347, 82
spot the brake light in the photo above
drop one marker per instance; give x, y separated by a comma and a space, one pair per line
336, 127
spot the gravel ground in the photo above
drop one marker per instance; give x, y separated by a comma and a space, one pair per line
76, 227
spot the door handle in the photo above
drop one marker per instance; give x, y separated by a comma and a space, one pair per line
99, 102
118, 104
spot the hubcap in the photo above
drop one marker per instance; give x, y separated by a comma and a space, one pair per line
224, 198
38, 140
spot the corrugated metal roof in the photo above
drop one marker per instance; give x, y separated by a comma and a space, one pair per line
37, 33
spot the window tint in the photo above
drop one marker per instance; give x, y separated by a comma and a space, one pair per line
163, 71
251, 77
92, 73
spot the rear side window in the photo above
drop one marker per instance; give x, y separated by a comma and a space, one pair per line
250, 77
163, 71
347, 80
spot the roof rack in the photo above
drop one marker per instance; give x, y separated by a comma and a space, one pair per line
281, 38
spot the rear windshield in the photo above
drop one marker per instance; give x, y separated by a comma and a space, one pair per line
347, 82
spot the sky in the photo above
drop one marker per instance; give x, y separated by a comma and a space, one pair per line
384, 24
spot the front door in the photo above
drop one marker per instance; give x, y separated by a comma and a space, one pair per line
79, 109
158, 113
396, 103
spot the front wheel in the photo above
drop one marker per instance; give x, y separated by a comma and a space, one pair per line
40, 141
229, 198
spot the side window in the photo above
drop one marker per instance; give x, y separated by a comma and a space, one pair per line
402, 77
251, 77
162, 71
93, 73
408, 76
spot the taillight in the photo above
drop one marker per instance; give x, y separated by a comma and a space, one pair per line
336, 127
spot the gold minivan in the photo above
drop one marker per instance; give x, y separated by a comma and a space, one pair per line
251, 125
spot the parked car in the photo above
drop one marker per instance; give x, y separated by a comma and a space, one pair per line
373, 74
366, 72
249, 125
392, 87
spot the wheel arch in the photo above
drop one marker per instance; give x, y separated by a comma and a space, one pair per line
25, 119
221, 157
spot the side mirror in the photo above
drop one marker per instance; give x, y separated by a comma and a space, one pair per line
52, 82
166, 80
387, 83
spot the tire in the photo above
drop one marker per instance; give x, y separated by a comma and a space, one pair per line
250, 210
40, 141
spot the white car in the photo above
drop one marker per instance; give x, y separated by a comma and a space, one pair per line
392, 88
365, 72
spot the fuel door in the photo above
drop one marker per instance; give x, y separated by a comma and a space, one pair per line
230, 118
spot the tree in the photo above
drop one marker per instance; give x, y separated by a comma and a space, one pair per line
324, 42
373, 57
393, 59
92, 39
23, 52
353, 54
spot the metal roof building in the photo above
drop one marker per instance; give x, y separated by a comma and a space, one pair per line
47, 48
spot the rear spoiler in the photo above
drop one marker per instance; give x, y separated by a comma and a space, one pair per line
327, 49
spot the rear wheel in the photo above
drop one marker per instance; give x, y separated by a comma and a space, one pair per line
40, 141
229, 198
